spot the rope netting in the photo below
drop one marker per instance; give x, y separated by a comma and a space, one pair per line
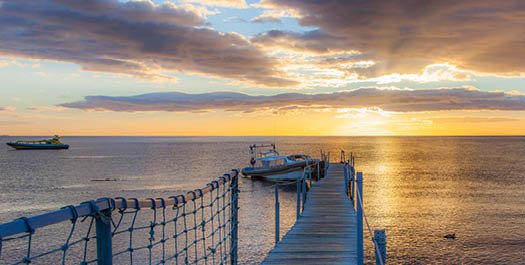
199, 227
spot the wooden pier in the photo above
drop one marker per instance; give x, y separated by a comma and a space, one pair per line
327, 230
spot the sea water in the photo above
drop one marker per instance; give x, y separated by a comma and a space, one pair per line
418, 188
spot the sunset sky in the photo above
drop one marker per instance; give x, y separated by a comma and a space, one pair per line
270, 67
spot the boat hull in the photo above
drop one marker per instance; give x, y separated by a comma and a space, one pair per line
280, 177
26, 146
276, 173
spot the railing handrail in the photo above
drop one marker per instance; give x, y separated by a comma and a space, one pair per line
24, 225
350, 170
376, 246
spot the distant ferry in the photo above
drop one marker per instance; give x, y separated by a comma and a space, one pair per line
53, 143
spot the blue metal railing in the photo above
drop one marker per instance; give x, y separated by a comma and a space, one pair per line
197, 227
354, 189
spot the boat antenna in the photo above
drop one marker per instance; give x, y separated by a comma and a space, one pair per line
274, 133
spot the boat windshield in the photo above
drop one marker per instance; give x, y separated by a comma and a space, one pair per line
270, 161
299, 158
268, 153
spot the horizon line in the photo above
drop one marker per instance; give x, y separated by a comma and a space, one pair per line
385, 135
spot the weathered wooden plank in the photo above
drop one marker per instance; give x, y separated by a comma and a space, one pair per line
307, 261
326, 231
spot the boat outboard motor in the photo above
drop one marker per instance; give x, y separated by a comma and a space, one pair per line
252, 161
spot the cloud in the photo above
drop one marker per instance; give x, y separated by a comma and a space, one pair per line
405, 36
316, 64
314, 41
234, 19
139, 38
220, 3
430, 73
472, 119
46, 108
395, 100
273, 13
5, 63
7, 108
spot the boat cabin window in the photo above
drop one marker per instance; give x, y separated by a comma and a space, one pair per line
269, 163
299, 158
268, 153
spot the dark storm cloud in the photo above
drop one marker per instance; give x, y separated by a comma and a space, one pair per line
405, 35
138, 38
389, 100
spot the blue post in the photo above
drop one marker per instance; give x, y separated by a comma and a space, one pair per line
234, 218
318, 171
352, 186
297, 213
360, 247
303, 190
380, 246
277, 228
104, 238
345, 175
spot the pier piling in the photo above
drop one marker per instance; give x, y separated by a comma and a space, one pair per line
277, 215
104, 238
380, 246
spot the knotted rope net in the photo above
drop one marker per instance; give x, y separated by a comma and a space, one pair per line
199, 227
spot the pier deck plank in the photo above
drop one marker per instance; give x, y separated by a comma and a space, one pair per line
326, 232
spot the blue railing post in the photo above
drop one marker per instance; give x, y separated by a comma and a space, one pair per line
234, 217
353, 185
277, 228
104, 238
310, 175
380, 246
318, 171
345, 179
298, 210
360, 247
303, 190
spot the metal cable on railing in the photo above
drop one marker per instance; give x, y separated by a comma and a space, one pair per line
376, 245
197, 227
349, 169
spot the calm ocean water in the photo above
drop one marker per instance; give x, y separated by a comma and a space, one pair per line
419, 188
